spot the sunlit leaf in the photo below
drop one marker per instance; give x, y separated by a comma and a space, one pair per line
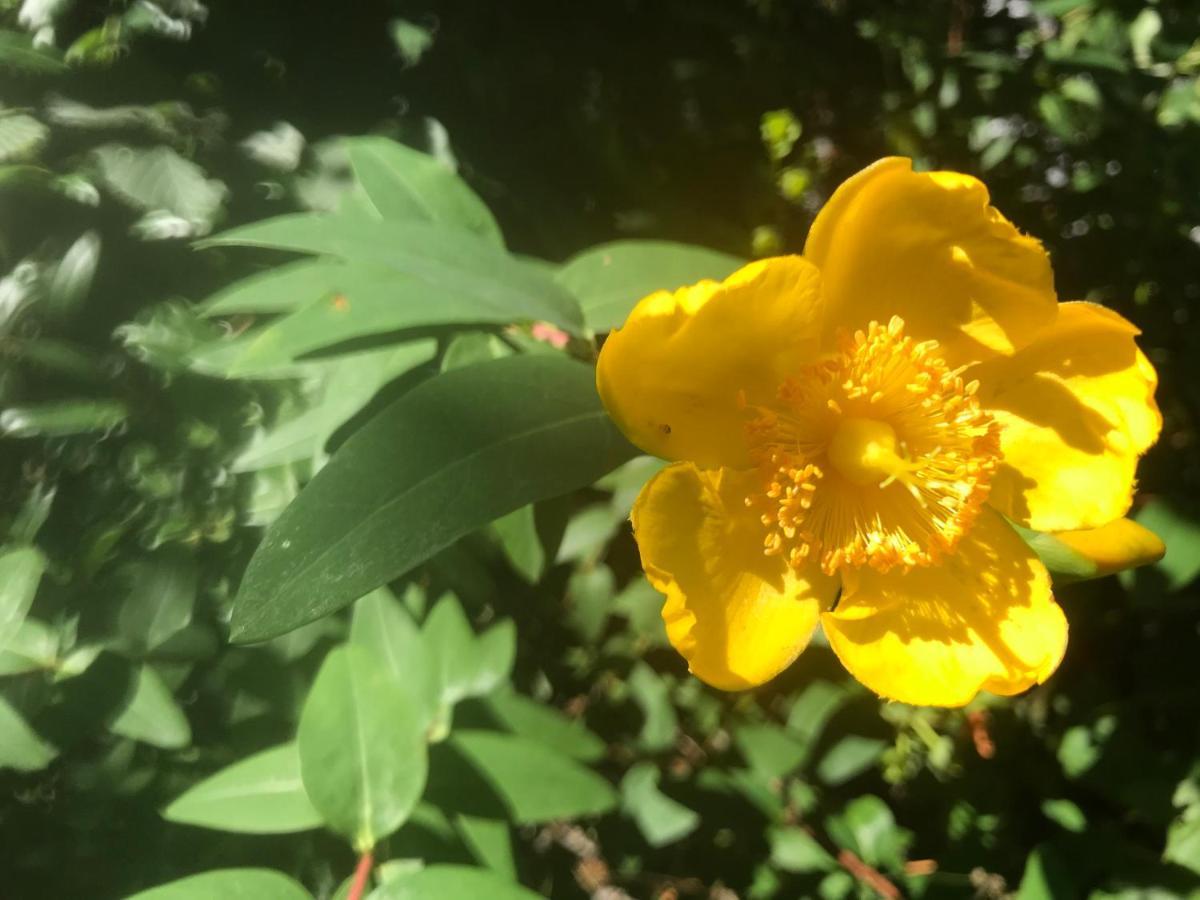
228, 884
151, 714
20, 746
443, 882
402, 183
21, 568
610, 278
454, 453
362, 747
261, 794
536, 783
661, 820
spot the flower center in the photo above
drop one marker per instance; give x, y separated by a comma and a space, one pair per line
876, 455
864, 451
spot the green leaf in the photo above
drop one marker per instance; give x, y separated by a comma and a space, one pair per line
1181, 534
1057, 556
362, 747
812, 711
661, 820
62, 418
549, 727
32, 647
21, 137
157, 180
536, 783
402, 184
445, 882
384, 627
453, 454
589, 600
1046, 877
151, 714
867, 827
284, 288
159, 594
20, 746
21, 568
490, 843
769, 749
850, 756
347, 385
73, 275
795, 850
1183, 843
262, 794
1065, 814
659, 721
17, 54
369, 300
466, 666
521, 543
610, 279
438, 261
228, 884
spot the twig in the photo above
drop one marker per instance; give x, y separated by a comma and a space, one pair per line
361, 873
869, 876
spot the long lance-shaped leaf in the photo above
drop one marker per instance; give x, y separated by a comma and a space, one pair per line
448, 457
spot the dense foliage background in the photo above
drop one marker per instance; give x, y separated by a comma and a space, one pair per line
140, 460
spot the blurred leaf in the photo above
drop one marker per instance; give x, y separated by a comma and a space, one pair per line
482, 282
151, 714
404, 184
158, 179
21, 569
72, 277
228, 884
589, 599
659, 721
867, 827
159, 594
18, 55
466, 665
1181, 534
262, 794
536, 783
31, 647
521, 543
1065, 814
769, 749
490, 843
1183, 843
813, 709
443, 882
62, 418
347, 385
20, 746
850, 756
473, 444
412, 40
795, 850
362, 747
21, 136
536, 721
609, 279
661, 820
1046, 877
588, 533
384, 627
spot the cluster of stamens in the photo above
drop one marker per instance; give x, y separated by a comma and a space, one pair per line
878, 455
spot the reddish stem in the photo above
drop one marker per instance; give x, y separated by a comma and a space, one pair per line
361, 872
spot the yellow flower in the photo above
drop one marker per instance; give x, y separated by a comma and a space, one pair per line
850, 430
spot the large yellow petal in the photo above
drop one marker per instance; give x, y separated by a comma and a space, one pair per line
929, 248
738, 616
671, 376
983, 619
1077, 409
